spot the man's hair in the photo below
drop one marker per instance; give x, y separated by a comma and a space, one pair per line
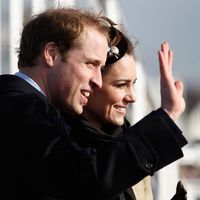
62, 26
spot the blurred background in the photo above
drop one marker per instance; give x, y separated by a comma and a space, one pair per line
150, 23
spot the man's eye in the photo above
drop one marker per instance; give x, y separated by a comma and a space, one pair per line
89, 64
92, 64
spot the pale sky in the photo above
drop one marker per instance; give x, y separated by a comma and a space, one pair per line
175, 21
155, 21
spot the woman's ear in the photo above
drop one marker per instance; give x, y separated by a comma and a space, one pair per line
50, 53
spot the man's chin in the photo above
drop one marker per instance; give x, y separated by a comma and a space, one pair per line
74, 110
77, 110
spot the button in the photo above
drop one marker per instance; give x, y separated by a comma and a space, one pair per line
93, 151
149, 165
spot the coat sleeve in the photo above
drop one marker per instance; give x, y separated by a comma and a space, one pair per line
146, 147
156, 134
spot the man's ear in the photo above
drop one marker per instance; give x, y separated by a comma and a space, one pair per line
50, 53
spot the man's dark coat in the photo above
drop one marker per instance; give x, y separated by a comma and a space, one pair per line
42, 162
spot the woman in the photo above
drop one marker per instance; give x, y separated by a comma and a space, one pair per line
103, 118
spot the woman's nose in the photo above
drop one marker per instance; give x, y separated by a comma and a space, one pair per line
131, 97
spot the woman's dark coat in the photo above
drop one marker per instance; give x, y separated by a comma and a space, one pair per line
87, 136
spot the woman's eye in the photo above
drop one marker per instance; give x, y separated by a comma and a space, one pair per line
121, 85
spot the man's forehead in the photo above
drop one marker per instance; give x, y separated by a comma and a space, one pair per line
90, 37
89, 31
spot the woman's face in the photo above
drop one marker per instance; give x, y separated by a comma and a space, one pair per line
108, 105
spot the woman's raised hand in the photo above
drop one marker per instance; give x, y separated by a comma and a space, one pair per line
172, 100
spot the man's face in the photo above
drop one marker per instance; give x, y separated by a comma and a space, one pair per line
75, 78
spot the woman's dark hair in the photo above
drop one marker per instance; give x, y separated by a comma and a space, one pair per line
119, 45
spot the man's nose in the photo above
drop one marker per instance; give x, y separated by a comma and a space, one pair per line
97, 78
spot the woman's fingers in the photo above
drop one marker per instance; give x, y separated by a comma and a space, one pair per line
179, 87
165, 59
172, 100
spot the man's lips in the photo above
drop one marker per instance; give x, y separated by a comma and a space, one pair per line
85, 95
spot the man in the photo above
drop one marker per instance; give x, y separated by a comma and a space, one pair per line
61, 55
